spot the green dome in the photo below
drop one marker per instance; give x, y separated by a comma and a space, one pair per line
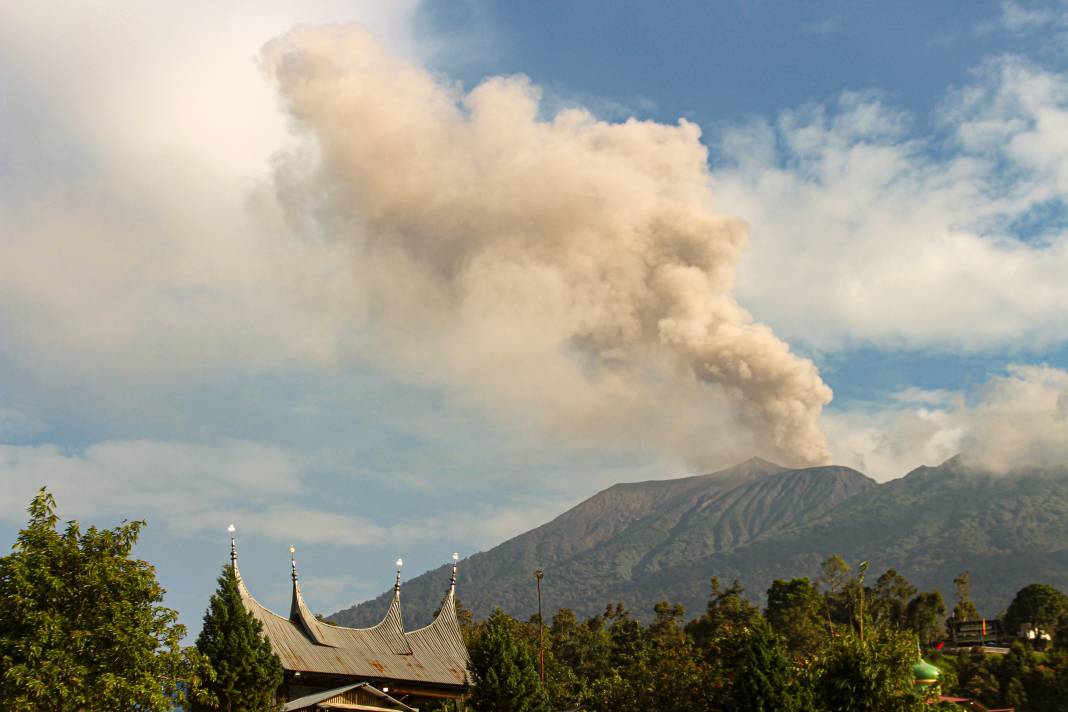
925, 674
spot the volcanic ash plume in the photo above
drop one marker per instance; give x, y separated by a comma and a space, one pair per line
566, 270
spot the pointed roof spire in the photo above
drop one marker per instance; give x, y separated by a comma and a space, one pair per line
233, 547
455, 561
391, 627
298, 610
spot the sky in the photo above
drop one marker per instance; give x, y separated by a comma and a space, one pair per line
408, 278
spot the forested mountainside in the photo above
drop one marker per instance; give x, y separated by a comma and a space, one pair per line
640, 543
617, 544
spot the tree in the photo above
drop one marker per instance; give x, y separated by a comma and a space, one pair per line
873, 675
839, 598
794, 612
1039, 605
925, 616
728, 610
890, 600
585, 648
248, 673
81, 626
759, 674
964, 609
654, 668
504, 669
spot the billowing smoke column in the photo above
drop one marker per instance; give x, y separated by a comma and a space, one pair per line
569, 271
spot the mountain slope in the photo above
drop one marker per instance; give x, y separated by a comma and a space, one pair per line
607, 547
644, 542
935, 522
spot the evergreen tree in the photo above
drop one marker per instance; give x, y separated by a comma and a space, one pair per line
760, 675
504, 669
81, 627
247, 672
794, 612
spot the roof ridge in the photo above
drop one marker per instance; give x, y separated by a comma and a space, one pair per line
298, 610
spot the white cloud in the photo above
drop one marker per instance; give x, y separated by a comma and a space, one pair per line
187, 488
887, 440
16, 424
141, 246
1015, 421
482, 525
191, 489
1018, 17
864, 234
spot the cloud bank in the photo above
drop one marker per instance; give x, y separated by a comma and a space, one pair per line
185, 487
1014, 422
563, 269
949, 240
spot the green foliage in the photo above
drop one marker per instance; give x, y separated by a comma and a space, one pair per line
248, 673
925, 616
1024, 679
794, 611
728, 611
505, 669
585, 648
890, 600
655, 668
759, 675
732, 658
636, 544
964, 609
81, 625
873, 675
1039, 605
840, 590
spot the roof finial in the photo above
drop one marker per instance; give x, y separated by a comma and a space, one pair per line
233, 545
455, 560
396, 586
293, 560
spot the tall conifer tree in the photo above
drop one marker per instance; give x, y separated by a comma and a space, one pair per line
248, 673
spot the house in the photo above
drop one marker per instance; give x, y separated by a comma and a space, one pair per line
419, 667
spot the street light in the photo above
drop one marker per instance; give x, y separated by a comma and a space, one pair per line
541, 626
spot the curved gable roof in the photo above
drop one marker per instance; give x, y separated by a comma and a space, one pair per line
433, 655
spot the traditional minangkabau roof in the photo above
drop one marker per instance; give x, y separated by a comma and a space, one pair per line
433, 655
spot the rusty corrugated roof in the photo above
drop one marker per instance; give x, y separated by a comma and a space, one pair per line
434, 654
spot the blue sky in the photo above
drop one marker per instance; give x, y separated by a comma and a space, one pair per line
258, 285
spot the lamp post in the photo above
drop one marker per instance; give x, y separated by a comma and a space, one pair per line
541, 627
863, 568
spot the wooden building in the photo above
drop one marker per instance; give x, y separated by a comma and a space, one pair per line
429, 664
359, 696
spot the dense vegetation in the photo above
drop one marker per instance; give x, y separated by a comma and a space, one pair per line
82, 629
839, 642
81, 625
644, 542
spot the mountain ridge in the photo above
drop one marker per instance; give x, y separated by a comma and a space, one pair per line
641, 542
632, 529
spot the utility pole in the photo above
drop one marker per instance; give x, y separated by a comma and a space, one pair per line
541, 627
